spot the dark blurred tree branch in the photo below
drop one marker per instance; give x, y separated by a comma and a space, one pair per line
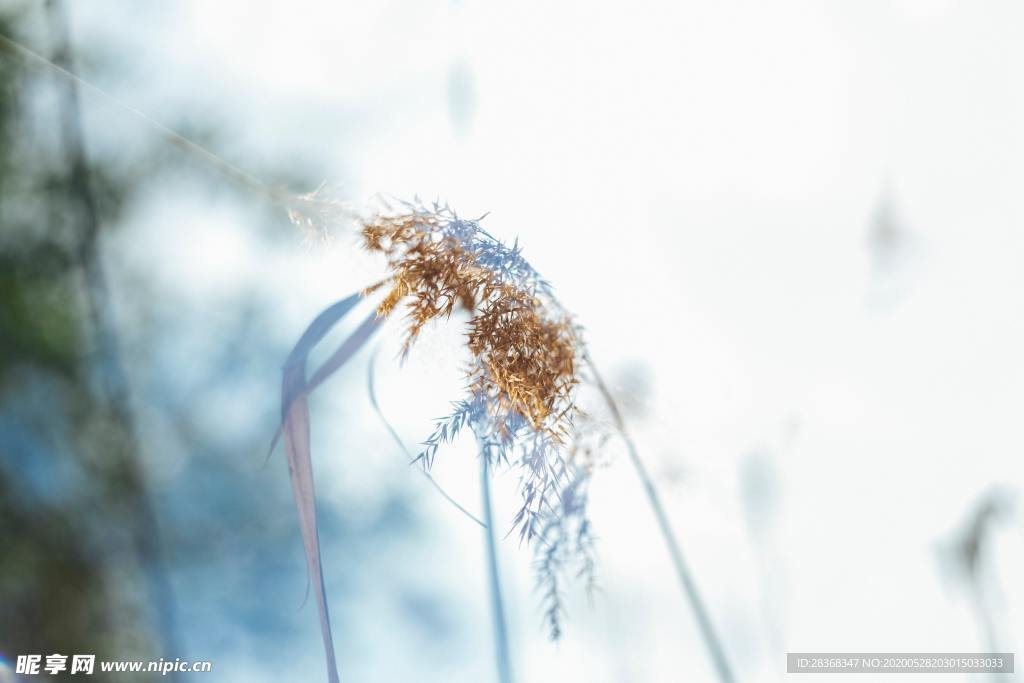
128, 487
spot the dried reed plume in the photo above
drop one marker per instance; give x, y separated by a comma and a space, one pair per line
526, 354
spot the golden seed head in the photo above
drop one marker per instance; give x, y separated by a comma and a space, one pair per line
524, 346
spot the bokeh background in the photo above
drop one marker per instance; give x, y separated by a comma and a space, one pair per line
793, 231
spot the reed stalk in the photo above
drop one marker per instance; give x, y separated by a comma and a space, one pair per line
501, 650
675, 551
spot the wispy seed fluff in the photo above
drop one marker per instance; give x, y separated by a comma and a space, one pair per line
523, 375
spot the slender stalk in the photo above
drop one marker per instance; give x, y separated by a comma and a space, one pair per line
494, 582
683, 573
372, 390
227, 169
170, 135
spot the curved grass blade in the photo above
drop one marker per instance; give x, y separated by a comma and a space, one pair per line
296, 431
300, 470
316, 331
348, 347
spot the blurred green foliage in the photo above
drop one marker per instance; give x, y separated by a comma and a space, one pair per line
57, 593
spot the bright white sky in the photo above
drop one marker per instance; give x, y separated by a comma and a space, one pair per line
699, 181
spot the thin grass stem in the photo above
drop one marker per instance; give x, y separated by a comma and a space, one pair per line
227, 169
372, 390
